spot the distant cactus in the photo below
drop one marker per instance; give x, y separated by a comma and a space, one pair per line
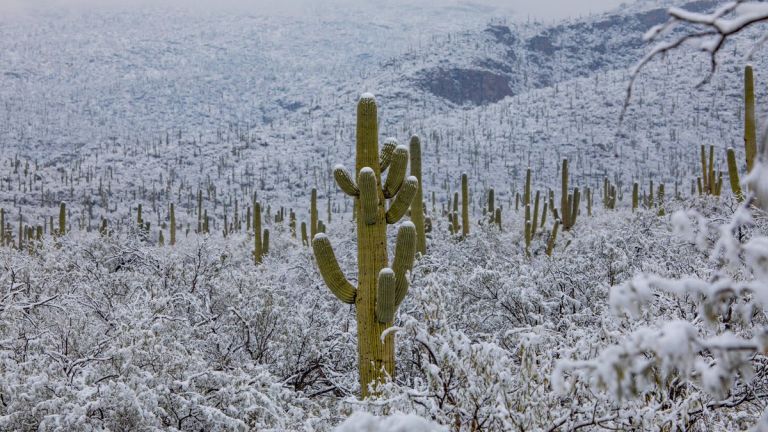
552, 238
172, 241
313, 213
660, 200
380, 288
635, 195
733, 175
569, 203
62, 218
260, 239
464, 205
711, 183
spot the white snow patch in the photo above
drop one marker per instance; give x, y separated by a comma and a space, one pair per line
365, 422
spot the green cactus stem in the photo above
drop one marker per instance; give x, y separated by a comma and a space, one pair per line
535, 214
564, 203
552, 238
733, 175
172, 241
2, 227
635, 195
313, 213
750, 140
62, 218
417, 205
464, 205
258, 242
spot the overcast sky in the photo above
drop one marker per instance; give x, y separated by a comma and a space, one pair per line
542, 9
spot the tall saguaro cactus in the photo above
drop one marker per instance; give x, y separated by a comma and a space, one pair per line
750, 140
380, 288
417, 206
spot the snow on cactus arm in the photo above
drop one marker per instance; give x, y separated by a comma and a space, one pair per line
345, 180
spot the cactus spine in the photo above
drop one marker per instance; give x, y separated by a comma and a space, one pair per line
380, 288
750, 140
417, 206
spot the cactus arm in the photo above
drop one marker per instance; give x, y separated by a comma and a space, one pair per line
575, 204
368, 196
396, 172
385, 296
552, 238
330, 270
402, 200
345, 181
387, 150
405, 253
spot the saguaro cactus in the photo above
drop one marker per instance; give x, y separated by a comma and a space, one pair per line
172, 240
417, 206
380, 288
750, 141
260, 240
464, 205
313, 213
569, 203
733, 175
62, 218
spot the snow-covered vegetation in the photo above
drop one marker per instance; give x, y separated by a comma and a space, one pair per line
146, 302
